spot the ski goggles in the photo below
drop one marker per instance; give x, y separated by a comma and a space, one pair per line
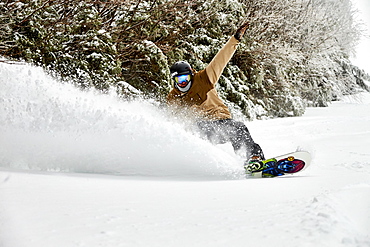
182, 80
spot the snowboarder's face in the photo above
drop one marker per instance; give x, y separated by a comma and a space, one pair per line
183, 82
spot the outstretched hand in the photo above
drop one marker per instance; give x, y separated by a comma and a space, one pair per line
241, 30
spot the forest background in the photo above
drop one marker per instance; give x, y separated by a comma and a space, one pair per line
295, 53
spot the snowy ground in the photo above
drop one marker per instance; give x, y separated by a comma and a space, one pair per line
82, 169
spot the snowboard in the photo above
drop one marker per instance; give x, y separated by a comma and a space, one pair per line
279, 166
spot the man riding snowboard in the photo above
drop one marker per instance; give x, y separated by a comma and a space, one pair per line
195, 92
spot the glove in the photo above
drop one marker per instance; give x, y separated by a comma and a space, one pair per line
241, 30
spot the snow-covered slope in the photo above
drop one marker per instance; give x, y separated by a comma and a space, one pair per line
84, 169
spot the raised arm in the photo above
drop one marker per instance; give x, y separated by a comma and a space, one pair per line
219, 62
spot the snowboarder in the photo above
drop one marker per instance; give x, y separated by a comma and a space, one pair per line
195, 92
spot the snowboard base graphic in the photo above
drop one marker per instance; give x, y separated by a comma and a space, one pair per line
278, 166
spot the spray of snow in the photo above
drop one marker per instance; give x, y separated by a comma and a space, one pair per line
47, 125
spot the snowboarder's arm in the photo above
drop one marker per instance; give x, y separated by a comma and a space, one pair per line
219, 62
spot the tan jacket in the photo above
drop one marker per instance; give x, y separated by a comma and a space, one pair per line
202, 98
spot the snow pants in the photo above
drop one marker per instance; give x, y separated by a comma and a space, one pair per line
229, 130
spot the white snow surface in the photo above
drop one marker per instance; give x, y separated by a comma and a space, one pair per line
78, 168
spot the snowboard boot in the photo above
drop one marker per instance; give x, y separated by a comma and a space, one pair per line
254, 163
259, 165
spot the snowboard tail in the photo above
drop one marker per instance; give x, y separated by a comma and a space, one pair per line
279, 166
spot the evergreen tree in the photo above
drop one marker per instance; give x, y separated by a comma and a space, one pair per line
295, 53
